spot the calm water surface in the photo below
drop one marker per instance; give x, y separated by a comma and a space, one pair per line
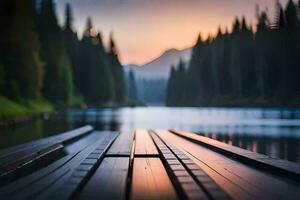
274, 132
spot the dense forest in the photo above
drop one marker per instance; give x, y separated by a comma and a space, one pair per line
248, 66
43, 61
152, 91
131, 86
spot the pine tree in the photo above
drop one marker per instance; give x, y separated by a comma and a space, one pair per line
236, 26
280, 21
292, 35
85, 61
235, 68
58, 84
194, 72
132, 89
96, 76
117, 73
103, 79
298, 10
291, 16
171, 89
7, 41
181, 83
262, 50
20, 40
72, 46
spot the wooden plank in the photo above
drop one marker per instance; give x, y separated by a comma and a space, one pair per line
122, 145
150, 180
185, 184
271, 165
70, 149
70, 183
56, 178
20, 184
109, 181
239, 180
14, 157
35, 164
144, 145
61, 137
211, 188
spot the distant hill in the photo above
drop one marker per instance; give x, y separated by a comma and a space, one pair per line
151, 78
161, 66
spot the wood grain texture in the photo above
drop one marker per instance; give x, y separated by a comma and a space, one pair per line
208, 189
69, 186
240, 181
150, 180
186, 186
22, 183
122, 145
276, 166
144, 145
15, 157
109, 181
51, 184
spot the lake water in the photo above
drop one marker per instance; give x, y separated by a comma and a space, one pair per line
274, 132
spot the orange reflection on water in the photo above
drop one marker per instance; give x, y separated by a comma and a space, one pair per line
254, 147
214, 136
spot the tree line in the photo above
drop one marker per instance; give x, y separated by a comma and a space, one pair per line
39, 59
243, 67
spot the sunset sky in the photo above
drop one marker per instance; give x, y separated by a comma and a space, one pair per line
143, 29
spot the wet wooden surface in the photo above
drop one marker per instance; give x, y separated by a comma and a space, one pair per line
123, 145
144, 164
239, 180
109, 180
264, 162
150, 180
144, 145
15, 157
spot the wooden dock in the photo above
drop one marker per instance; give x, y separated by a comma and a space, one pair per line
142, 164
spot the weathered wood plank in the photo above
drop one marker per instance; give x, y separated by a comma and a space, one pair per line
186, 186
211, 188
239, 180
150, 180
54, 153
59, 138
20, 184
144, 145
46, 185
122, 145
48, 157
109, 181
276, 166
14, 157
67, 187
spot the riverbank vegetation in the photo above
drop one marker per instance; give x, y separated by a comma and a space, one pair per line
247, 66
10, 109
41, 62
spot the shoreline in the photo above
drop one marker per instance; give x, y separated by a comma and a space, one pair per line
19, 120
13, 112
10, 122
15, 119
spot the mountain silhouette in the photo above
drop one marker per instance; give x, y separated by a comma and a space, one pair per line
161, 66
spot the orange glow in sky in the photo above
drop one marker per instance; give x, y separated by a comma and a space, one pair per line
143, 29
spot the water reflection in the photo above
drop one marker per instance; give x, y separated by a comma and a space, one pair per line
275, 132
276, 147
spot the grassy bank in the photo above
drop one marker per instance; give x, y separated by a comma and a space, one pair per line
10, 109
